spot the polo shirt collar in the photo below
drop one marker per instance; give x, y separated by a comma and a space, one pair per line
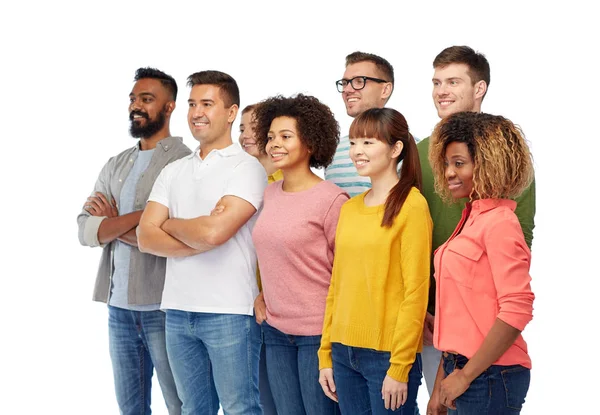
483, 205
228, 151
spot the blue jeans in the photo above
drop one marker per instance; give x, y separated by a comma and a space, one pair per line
293, 369
358, 374
137, 346
499, 390
266, 396
215, 357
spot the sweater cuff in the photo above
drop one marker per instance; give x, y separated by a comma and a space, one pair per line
90, 231
325, 361
399, 372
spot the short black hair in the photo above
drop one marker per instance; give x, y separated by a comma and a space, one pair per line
386, 68
227, 85
166, 80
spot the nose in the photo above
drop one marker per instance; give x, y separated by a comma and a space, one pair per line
356, 150
196, 111
442, 89
348, 88
449, 172
134, 105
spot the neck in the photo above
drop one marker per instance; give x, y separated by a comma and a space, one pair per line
151, 142
382, 184
299, 178
218, 144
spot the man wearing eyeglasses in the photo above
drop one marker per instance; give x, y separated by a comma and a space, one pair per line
368, 82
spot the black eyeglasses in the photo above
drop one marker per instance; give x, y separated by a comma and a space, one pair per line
358, 82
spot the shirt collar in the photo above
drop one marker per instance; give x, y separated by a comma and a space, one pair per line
483, 205
228, 151
166, 143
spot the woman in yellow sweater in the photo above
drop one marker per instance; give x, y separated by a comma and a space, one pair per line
370, 358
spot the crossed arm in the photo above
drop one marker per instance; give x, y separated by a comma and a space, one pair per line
159, 235
114, 226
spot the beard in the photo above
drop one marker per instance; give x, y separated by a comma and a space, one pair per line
150, 128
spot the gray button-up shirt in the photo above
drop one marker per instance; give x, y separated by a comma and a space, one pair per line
146, 272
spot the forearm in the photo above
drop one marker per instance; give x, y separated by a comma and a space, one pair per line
112, 228
153, 240
130, 237
500, 337
195, 233
440, 375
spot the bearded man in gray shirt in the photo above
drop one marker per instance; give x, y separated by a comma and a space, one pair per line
129, 281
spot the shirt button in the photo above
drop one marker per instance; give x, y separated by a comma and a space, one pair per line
120, 180
131, 160
166, 147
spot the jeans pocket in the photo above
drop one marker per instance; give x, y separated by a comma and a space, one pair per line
516, 384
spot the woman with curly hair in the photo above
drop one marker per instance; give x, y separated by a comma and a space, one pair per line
483, 297
294, 239
372, 331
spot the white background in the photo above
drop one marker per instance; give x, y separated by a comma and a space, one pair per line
66, 73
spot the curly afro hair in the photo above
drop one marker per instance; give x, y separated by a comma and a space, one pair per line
317, 128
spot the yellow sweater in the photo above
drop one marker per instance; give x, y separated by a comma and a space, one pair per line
380, 282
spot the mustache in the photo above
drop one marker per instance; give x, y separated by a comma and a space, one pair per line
140, 113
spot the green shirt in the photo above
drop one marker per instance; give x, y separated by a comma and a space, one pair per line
445, 217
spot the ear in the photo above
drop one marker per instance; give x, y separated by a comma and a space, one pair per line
388, 88
232, 114
170, 107
397, 149
480, 89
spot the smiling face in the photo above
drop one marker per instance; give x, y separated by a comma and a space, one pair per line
373, 157
373, 95
208, 118
459, 169
454, 91
148, 108
247, 137
284, 146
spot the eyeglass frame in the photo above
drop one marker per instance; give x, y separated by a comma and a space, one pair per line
339, 83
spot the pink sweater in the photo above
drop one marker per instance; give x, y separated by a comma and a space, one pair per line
294, 238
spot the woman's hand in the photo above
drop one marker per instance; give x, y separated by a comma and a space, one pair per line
393, 393
454, 385
260, 308
327, 383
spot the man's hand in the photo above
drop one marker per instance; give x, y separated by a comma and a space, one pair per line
99, 206
428, 330
327, 383
393, 393
260, 308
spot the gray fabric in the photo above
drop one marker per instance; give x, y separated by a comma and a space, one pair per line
122, 251
147, 272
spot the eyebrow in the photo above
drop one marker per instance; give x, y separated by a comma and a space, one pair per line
142, 94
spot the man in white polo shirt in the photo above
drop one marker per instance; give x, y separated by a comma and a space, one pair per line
210, 282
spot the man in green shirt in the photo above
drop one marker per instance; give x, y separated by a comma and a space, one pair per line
460, 81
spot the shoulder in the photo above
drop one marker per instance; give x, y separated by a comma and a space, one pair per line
423, 145
332, 190
416, 201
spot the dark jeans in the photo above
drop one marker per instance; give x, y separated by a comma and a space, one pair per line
293, 369
499, 390
359, 373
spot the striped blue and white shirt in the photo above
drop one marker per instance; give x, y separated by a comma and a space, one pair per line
342, 171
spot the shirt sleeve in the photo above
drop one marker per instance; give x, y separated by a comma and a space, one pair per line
525, 211
248, 181
160, 189
510, 259
415, 253
331, 219
87, 224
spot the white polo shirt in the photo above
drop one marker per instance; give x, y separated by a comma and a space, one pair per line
222, 280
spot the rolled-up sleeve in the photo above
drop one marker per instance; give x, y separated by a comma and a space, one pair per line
87, 224
509, 262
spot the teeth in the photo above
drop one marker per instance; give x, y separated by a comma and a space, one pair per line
199, 124
360, 162
137, 116
352, 99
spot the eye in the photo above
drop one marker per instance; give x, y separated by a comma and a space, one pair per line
131, 100
453, 82
436, 83
191, 104
367, 142
286, 136
147, 100
269, 137
207, 104
458, 163
352, 142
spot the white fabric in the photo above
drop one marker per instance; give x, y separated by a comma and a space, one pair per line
222, 280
